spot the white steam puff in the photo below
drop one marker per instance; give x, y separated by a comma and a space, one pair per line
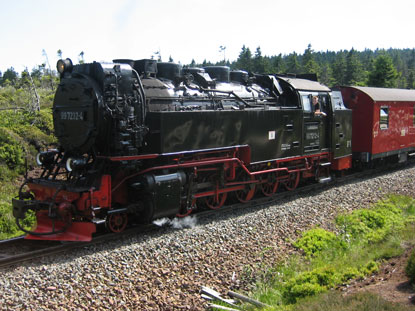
177, 223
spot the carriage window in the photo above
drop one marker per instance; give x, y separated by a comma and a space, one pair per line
413, 117
384, 118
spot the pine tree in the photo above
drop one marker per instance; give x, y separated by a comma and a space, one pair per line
339, 69
309, 63
293, 66
410, 81
277, 64
10, 76
411, 61
353, 72
326, 75
244, 61
384, 73
259, 62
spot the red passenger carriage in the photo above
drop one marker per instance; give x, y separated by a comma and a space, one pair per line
383, 122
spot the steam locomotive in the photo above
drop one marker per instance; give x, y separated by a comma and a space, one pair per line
141, 140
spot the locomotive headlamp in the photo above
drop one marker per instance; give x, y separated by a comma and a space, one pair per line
64, 65
73, 164
46, 157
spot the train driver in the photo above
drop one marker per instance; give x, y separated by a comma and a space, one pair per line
317, 109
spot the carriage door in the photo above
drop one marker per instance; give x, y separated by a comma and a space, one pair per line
316, 122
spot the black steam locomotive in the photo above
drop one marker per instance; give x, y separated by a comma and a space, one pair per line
140, 140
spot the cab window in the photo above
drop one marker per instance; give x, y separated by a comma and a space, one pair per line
306, 102
323, 103
337, 101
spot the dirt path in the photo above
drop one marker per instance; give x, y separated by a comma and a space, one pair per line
391, 282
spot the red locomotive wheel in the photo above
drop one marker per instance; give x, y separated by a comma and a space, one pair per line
248, 192
117, 222
293, 181
186, 212
270, 186
216, 201
183, 213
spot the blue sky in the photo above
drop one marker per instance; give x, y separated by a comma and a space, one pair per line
194, 29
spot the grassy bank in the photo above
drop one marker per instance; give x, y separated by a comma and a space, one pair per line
8, 228
23, 132
327, 260
22, 135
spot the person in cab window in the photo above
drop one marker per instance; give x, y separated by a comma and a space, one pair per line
317, 108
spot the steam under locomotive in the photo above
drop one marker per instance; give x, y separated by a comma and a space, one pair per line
140, 140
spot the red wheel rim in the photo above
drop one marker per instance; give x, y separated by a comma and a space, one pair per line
216, 201
269, 188
117, 222
186, 212
248, 192
293, 181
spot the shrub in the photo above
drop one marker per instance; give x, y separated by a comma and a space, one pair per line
22, 135
410, 267
11, 149
351, 273
313, 241
370, 268
7, 221
374, 224
8, 226
310, 283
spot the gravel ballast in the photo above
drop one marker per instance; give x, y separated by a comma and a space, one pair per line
164, 270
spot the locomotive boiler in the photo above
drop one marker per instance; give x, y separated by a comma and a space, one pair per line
140, 140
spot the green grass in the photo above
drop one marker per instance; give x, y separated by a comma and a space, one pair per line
22, 135
325, 260
8, 227
410, 267
334, 300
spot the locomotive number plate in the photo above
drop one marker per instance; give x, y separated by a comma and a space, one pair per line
72, 115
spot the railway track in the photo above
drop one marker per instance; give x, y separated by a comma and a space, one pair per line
17, 250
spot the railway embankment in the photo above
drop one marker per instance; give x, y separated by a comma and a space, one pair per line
164, 270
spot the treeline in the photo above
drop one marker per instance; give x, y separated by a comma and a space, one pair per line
379, 68
28, 90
